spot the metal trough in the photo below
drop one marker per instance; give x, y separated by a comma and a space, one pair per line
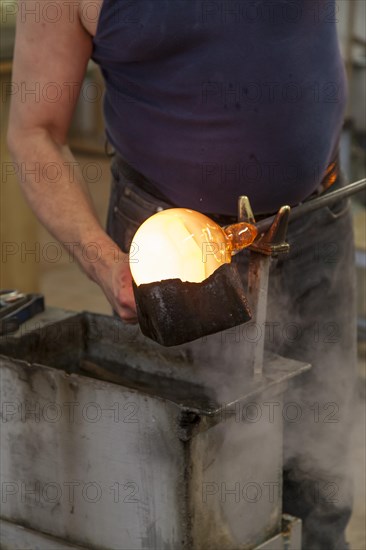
110, 441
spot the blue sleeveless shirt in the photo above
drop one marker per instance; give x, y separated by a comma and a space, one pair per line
214, 99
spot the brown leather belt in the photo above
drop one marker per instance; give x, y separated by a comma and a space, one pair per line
330, 177
120, 166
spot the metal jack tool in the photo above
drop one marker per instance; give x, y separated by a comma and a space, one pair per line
269, 244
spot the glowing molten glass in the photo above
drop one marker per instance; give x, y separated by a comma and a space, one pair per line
183, 244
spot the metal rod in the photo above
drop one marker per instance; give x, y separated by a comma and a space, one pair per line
316, 204
258, 277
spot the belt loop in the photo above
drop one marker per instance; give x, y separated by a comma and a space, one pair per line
115, 170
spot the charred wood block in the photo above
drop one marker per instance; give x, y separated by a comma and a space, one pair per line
173, 312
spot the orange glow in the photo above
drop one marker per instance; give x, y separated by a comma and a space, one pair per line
179, 243
240, 235
331, 175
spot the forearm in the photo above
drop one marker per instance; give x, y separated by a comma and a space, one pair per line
46, 53
55, 189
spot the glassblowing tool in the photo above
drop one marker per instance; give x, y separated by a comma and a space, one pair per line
184, 283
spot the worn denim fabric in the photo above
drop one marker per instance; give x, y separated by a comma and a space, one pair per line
313, 290
311, 317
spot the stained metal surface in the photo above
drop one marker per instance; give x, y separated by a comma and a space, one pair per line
90, 462
109, 440
288, 539
14, 537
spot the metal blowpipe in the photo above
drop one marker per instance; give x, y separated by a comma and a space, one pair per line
316, 204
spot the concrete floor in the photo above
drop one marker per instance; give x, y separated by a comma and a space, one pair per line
65, 286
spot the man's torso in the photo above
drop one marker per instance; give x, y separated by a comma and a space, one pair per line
210, 100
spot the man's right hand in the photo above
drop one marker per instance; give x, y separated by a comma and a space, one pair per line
115, 279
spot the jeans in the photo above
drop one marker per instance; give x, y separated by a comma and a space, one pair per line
314, 289
312, 315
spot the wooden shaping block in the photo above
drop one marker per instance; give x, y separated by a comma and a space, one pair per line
173, 312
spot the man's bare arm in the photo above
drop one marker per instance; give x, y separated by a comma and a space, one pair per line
58, 52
